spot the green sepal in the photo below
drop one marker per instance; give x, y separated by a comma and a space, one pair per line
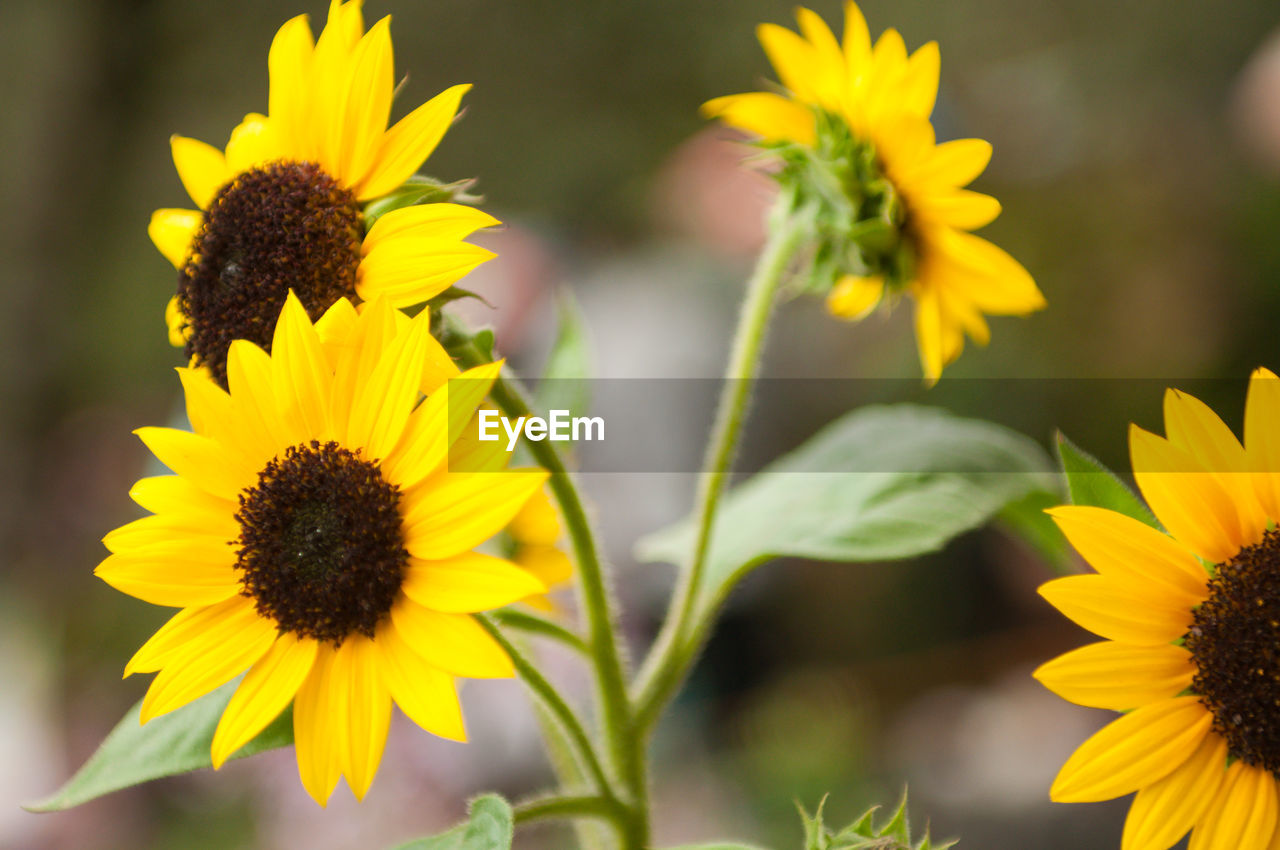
863, 834
490, 826
417, 190
1091, 483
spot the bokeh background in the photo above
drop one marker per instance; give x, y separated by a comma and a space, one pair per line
1137, 147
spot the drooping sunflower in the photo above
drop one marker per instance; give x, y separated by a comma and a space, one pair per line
282, 208
1191, 621
852, 128
314, 536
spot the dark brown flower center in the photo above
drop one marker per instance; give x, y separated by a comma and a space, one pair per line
281, 226
321, 547
1235, 641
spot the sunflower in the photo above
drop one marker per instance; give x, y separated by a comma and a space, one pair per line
313, 537
282, 208
1191, 621
852, 127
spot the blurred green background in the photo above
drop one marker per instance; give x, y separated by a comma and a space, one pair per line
1136, 152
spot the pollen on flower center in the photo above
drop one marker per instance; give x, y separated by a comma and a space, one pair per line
1235, 642
321, 546
281, 226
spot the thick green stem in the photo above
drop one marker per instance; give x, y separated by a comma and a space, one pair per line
679, 641
626, 748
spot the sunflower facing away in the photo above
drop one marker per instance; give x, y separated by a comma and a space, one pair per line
282, 208
313, 536
1191, 618
852, 128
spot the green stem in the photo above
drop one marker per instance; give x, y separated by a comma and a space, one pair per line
546, 808
680, 639
626, 748
555, 703
541, 626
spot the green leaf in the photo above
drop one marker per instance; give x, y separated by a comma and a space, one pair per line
1026, 519
931, 477
177, 742
1091, 483
490, 827
565, 384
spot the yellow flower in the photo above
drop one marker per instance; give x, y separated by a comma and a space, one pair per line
282, 208
313, 536
854, 135
535, 534
1191, 621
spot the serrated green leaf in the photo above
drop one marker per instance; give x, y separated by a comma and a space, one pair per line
565, 379
177, 742
1091, 483
490, 826
934, 476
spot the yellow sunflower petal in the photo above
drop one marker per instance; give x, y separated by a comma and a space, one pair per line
454, 512
209, 660
172, 640
411, 271
959, 208
548, 563
254, 141
919, 84
1121, 546
249, 378
318, 721
1242, 815
267, 688
366, 103
1262, 437
987, 275
437, 222
454, 643
1117, 609
410, 141
173, 231
213, 414
436, 424
471, 454
172, 581
1165, 810
201, 460
289, 70
382, 404
368, 711
1117, 675
301, 374
936, 338
951, 164
201, 167
854, 297
830, 77
765, 114
467, 583
176, 322
795, 61
856, 41
1193, 505
1133, 752
425, 694
162, 494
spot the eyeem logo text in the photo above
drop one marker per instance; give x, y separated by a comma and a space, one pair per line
559, 427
